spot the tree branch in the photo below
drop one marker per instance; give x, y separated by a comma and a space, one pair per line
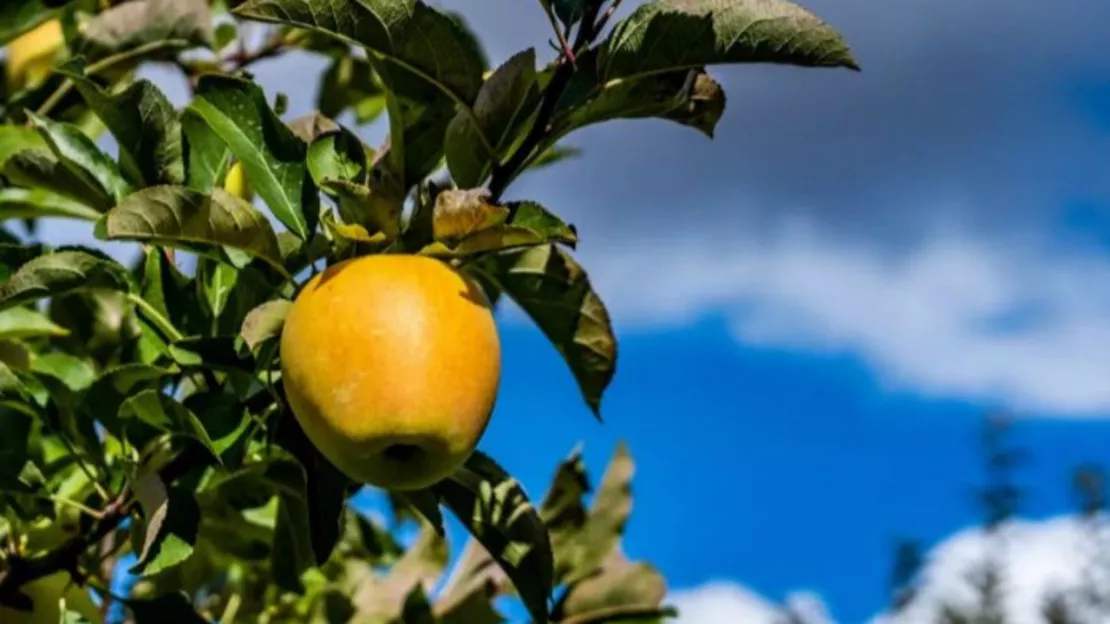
22, 571
503, 175
243, 58
606, 16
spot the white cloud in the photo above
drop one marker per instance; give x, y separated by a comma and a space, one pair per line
724, 602
1001, 320
1038, 559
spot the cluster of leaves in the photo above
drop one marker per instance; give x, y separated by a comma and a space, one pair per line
141, 411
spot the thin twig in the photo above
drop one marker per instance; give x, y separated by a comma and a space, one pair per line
85, 509
104, 65
606, 16
232, 608
504, 174
25, 570
567, 52
243, 58
161, 322
80, 461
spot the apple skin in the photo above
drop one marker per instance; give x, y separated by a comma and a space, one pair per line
391, 364
237, 184
31, 55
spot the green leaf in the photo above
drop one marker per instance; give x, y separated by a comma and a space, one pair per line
20, 16
82, 157
564, 514
603, 527
623, 591
216, 281
63, 272
686, 96
172, 521
13, 256
19, 323
665, 35
40, 169
476, 580
17, 138
165, 414
180, 216
325, 490
555, 154
377, 214
368, 540
418, 504
223, 418
390, 599
497, 513
129, 26
503, 103
21, 203
71, 617
554, 290
145, 126
338, 155
569, 11
215, 352
15, 431
350, 83
264, 323
429, 61
114, 386
15, 355
409, 34
541, 222
273, 156
292, 553
102, 323
249, 288
613, 502
173, 295
416, 608
207, 158
703, 104
171, 608
298, 255
224, 35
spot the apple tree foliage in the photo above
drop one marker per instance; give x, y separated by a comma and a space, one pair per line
145, 447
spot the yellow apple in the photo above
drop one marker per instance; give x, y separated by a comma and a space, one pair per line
31, 55
237, 184
391, 364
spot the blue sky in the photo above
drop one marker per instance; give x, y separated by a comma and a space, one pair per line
782, 471
815, 308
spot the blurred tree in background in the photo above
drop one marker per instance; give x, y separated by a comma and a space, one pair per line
999, 498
